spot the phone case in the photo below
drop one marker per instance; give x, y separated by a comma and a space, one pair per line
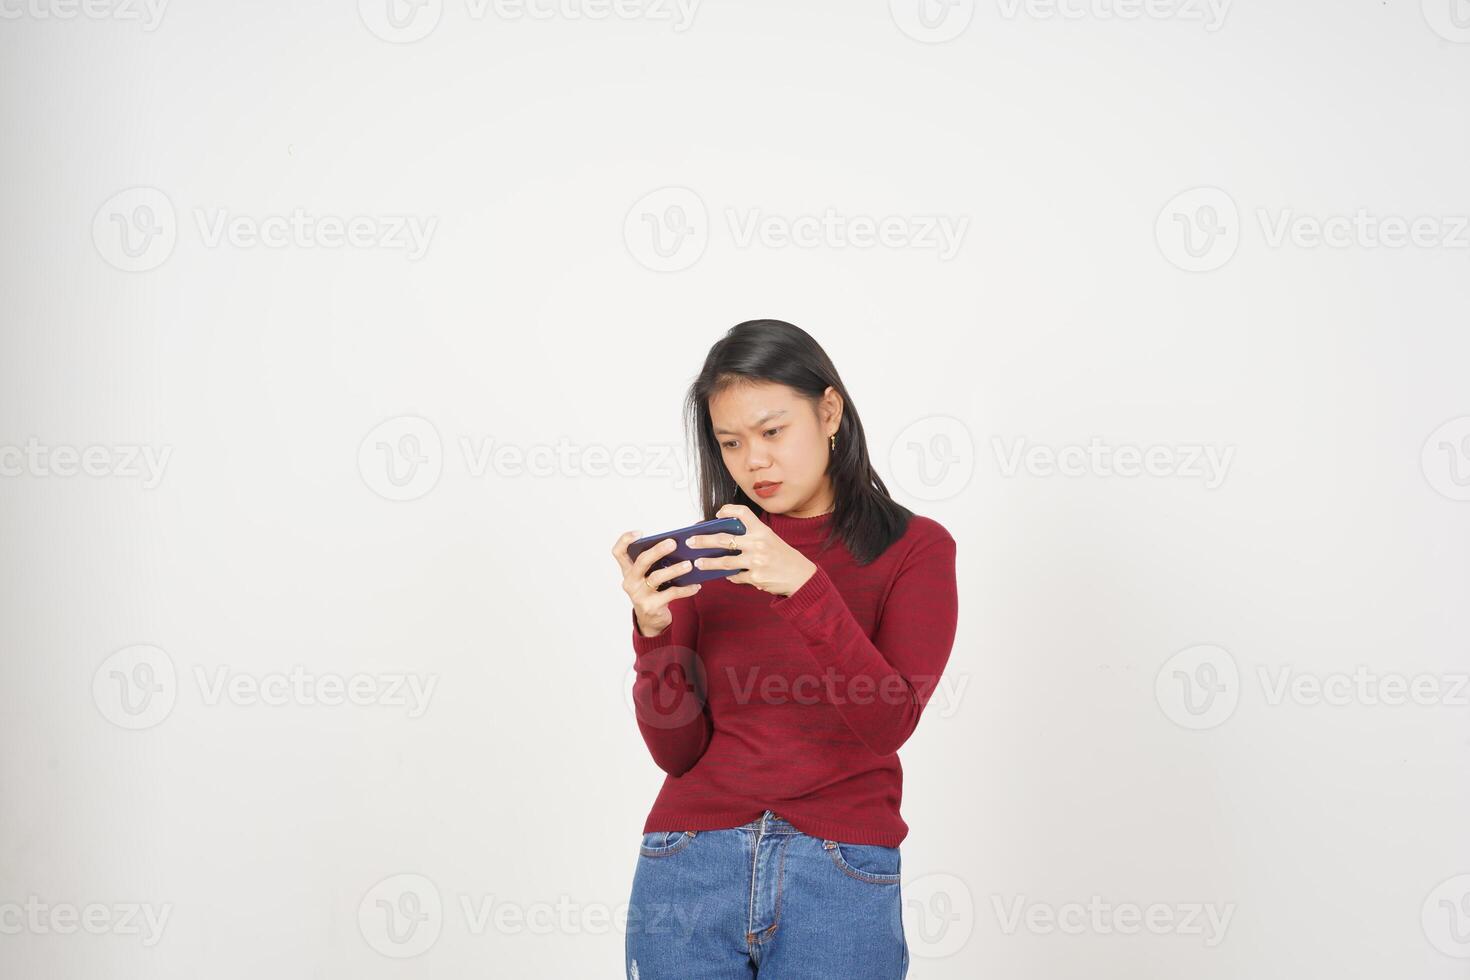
682, 552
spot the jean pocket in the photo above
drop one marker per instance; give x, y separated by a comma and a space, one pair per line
872, 863
662, 843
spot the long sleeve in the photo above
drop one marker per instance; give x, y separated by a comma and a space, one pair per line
882, 685
669, 691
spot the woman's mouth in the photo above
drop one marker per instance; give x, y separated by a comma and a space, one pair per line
766, 489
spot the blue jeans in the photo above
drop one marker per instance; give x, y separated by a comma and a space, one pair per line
764, 900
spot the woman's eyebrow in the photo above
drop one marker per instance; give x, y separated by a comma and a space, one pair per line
758, 422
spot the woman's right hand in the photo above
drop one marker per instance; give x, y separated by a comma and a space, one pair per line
650, 605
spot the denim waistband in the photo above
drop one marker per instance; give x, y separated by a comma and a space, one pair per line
771, 822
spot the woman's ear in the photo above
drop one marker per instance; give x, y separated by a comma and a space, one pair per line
832, 408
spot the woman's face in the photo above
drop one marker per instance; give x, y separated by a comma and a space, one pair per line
769, 434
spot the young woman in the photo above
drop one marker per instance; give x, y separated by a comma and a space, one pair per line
776, 698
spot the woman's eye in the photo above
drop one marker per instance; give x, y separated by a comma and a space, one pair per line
773, 430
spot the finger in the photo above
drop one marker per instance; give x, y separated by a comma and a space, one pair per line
620, 550
652, 555
660, 576
726, 541
738, 510
720, 561
680, 591
636, 571
658, 600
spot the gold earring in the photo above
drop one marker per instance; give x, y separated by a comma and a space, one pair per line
832, 441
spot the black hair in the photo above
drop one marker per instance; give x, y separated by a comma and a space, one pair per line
865, 517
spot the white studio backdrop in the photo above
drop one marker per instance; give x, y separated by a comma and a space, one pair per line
341, 341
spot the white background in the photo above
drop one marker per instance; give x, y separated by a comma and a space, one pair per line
541, 314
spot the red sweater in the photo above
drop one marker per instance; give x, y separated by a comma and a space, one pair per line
807, 697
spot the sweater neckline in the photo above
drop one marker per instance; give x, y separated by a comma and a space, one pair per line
798, 530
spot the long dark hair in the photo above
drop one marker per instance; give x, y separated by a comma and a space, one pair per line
865, 517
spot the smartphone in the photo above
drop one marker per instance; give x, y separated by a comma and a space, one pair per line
682, 552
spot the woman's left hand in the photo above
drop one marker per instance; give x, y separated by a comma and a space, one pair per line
770, 564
